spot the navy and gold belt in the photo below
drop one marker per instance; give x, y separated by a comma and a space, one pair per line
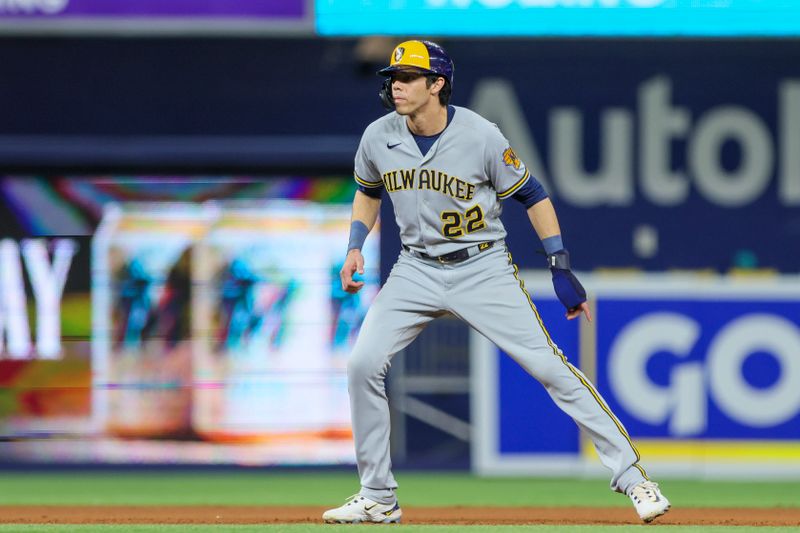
453, 257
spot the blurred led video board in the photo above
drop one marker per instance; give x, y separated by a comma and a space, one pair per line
177, 320
622, 18
156, 16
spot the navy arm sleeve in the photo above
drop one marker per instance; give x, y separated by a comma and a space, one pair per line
374, 192
530, 193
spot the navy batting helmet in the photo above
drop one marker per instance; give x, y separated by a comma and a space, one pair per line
425, 57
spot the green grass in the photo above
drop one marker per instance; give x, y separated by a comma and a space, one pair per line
416, 489
310, 528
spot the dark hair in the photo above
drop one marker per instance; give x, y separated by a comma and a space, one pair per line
445, 92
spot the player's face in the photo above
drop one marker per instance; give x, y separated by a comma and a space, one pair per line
411, 92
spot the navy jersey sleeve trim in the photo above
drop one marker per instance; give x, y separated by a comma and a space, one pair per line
372, 192
532, 192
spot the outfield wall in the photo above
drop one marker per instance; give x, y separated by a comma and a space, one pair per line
658, 154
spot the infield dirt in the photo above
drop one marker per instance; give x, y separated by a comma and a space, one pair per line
30, 514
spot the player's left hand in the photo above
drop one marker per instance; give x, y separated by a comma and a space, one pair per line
575, 312
569, 290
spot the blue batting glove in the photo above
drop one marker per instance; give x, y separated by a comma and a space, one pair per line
569, 290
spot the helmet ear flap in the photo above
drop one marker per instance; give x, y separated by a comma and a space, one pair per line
385, 94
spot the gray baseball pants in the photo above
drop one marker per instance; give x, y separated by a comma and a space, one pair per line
485, 292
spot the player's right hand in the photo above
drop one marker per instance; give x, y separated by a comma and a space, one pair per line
353, 263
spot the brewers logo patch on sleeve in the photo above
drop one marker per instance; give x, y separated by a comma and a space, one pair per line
510, 158
507, 171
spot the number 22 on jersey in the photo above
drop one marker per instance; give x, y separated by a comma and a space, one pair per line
457, 224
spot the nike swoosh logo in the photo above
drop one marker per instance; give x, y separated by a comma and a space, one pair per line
390, 146
370, 508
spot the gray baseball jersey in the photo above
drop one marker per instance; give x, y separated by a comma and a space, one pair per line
449, 198
444, 201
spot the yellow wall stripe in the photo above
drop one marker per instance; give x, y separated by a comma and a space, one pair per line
508, 192
574, 371
721, 450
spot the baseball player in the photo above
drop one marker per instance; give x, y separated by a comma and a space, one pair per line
447, 171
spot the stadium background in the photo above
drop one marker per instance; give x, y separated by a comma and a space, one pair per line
672, 160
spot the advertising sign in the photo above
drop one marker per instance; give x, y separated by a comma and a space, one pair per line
700, 371
154, 15
272, 326
154, 8
559, 17
177, 320
44, 351
141, 291
710, 375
